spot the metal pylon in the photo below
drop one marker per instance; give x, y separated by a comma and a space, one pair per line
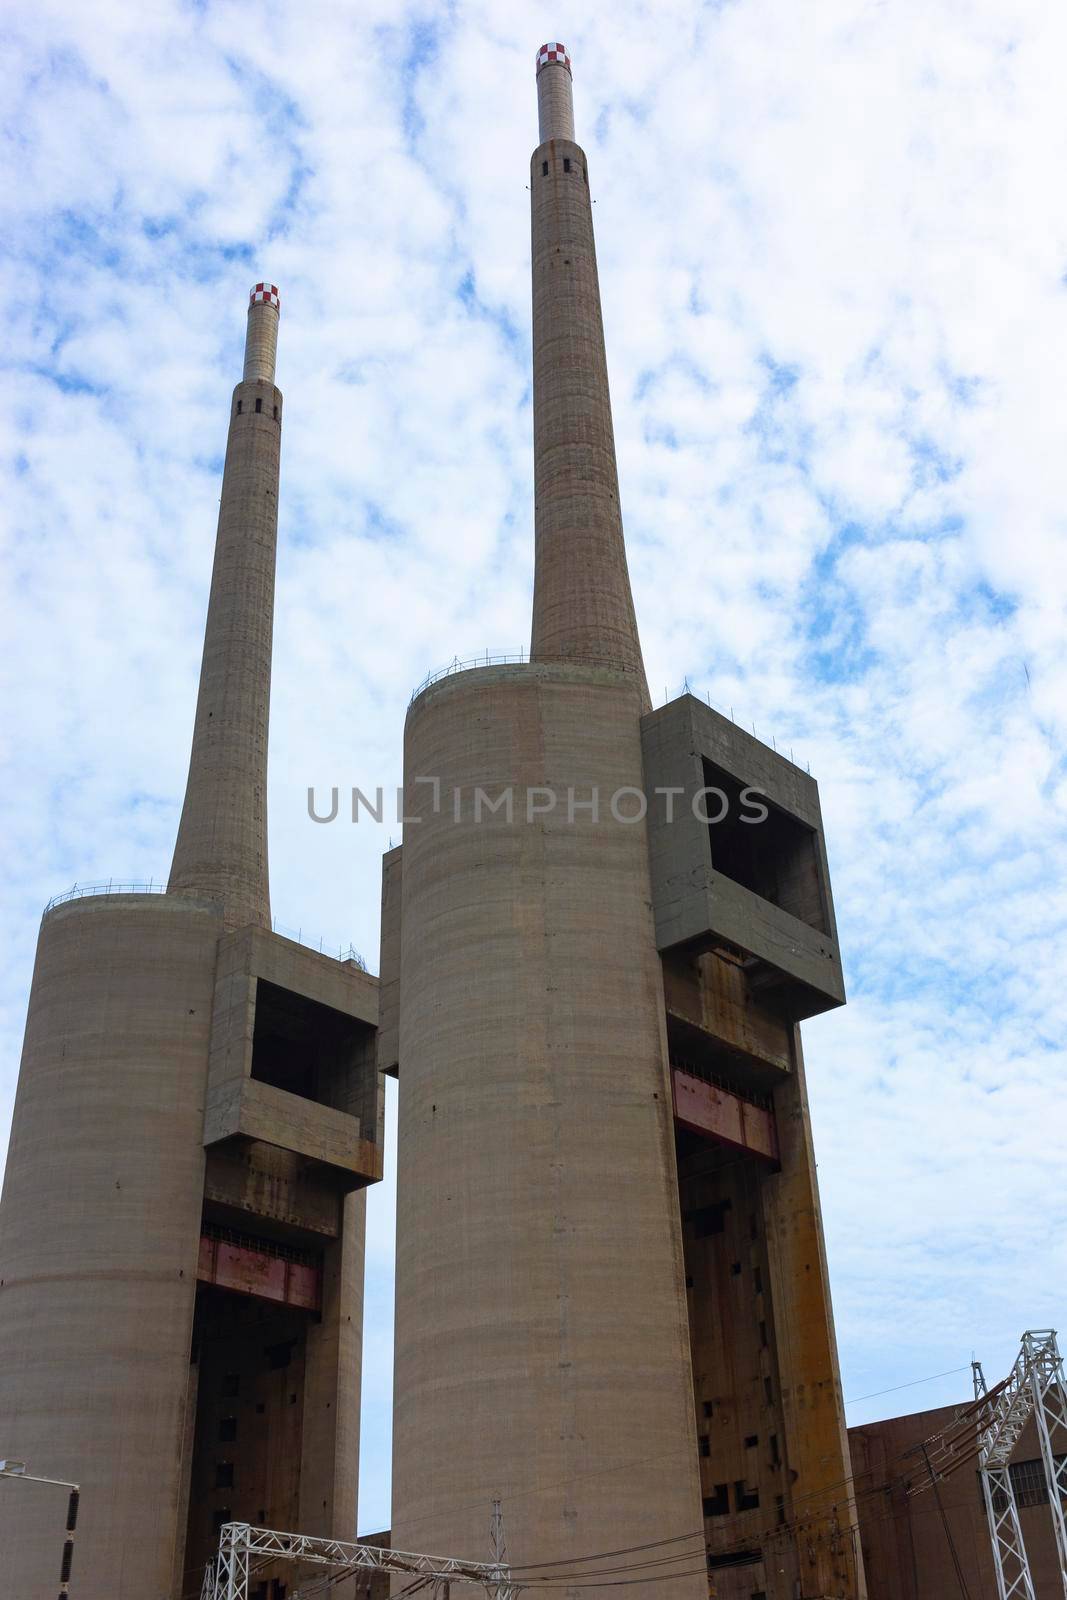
1050, 1413
502, 1588
1034, 1387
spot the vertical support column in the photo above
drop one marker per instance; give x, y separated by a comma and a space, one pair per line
221, 848
583, 608
808, 1371
1006, 1535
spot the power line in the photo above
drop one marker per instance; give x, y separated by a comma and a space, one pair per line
897, 1387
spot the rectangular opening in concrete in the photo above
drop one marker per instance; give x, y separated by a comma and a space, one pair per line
776, 858
309, 1049
248, 1361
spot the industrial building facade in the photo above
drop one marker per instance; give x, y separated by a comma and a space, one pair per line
599, 938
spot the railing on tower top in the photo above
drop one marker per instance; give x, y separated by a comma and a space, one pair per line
488, 658
345, 952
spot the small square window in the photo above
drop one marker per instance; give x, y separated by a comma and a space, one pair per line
735, 1269
223, 1474
751, 1441
717, 1504
227, 1429
745, 1499
707, 1408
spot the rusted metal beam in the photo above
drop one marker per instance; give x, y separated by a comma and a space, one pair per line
716, 1113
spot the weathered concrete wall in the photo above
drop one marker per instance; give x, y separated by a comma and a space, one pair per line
541, 1332
808, 1376
99, 1227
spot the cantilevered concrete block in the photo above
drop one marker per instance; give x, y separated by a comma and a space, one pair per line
738, 856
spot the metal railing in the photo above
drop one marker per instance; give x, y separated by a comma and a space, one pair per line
345, 952
112, 886
488, 658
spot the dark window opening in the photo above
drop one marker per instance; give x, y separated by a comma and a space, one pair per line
275, 413
240, 407
223, 1474
735, 1269
227, 1429
759, 1594
705, 1445
279, 1355
717, 1504
566, 163
776, 1459
768, 1391
585, 176
751, 1441
757, 1280
707, 1408
777, 858
292, 1399
259, 404
218, 1518
734, 1558
763, 1335
689, 1280
231, 1384
544, 169
311, 1050
708, 1220
746, 1499
779, 1506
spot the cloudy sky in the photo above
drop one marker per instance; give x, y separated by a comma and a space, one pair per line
834, 264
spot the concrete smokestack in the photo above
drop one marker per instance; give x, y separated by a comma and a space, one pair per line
221, 849
555, 100
583, 609
261, 340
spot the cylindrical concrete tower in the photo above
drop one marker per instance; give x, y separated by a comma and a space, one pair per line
541, 1326
221, 849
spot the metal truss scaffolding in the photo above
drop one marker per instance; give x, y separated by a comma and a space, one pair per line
227, 1578
1035, 1387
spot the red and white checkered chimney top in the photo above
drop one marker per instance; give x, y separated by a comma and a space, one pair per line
266, 294
553, 52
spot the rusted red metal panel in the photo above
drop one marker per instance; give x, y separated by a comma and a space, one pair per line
246, 1270
706, 1109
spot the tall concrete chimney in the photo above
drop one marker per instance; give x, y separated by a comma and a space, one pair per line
198, 1111
221, 849
583, 608
612, 1299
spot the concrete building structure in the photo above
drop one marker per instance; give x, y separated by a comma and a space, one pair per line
197, 1115
908, 1540
612, 1307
